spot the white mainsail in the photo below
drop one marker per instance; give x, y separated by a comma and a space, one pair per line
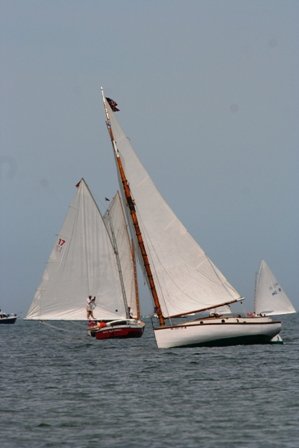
185, 278
270, 298
82, 263
116, 223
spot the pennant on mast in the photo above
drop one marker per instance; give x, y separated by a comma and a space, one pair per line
112, 104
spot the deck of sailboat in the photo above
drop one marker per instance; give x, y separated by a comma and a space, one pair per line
224, 320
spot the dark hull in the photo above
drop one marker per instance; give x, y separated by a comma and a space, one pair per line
245, 340
8, 320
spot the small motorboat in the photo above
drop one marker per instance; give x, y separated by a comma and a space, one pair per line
7, 318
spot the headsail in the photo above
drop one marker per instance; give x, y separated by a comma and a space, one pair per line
81, 263
270, 298
115, 221
185, 278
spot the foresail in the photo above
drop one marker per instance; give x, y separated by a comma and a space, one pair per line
81, 263
186, 279
270, 298
115, 219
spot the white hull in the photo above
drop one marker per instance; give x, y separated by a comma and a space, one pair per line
218, 331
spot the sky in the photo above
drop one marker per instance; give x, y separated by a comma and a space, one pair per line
208, 94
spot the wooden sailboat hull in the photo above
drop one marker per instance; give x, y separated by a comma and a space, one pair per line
218, 332
119, 329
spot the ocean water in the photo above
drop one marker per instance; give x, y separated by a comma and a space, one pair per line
61, 388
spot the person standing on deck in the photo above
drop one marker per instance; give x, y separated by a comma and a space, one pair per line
91, 304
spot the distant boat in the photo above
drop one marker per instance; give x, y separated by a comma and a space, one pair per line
181, 277
85, 262
270, 299
7, 318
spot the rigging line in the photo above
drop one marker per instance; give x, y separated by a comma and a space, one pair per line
85, 229
107, 221
54, 327
89, 276
68, 239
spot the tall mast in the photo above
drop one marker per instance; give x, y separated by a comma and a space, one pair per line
115, 248
135, 281
131, 205
257, 275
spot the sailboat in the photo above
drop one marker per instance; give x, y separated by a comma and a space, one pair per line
83, 262
181, 277
270, 299
132, 326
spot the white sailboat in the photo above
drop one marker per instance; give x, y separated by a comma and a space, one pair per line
270, 299
181, 277
82, 263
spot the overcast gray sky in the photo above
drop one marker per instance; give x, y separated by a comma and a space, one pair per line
208, 92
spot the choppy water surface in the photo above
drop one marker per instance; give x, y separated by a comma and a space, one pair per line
61, 388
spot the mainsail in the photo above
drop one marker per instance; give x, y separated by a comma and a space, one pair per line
82, 263
270, 298
117, 227
186, 279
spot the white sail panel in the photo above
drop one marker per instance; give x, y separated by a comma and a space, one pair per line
270, 298
186, 280
116, 221
82, 263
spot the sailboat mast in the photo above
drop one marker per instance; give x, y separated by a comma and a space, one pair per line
255, 288
135, 281
115, 248
131, 205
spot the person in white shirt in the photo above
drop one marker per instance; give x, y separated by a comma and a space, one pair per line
91, 304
